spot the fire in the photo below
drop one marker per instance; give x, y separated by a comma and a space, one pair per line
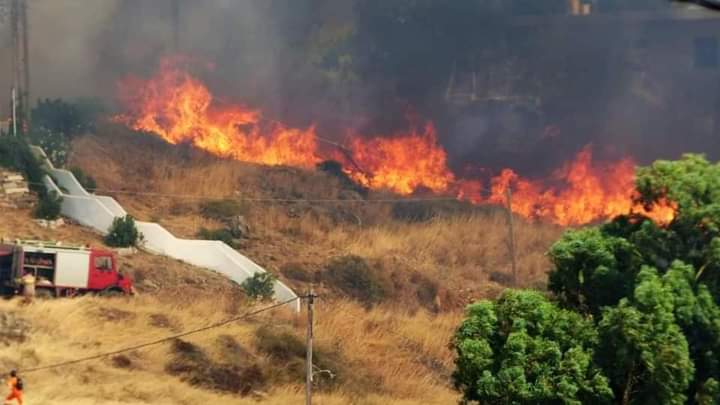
402, 163
179, 108
580, 192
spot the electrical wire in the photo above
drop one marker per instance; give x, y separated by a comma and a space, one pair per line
267, 199
158, 341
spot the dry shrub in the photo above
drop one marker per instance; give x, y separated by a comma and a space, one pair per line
121, 361
426, 290
407, 355
194, 366
297, 272
222, 209
162, 321
356, 278
232, 351
331, 369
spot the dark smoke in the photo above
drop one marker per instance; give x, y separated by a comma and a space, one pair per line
547, 84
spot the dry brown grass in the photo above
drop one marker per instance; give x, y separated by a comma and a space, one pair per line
18, 224
406, 360
467, 254
390, 356
399, 350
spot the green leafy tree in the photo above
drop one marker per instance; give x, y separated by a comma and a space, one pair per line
653, 288
259, 286
15, 154
592, 269
643, 350
693, 184
49, 206
56, 122
123, 233
523, 349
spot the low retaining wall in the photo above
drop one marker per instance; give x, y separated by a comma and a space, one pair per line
98, 212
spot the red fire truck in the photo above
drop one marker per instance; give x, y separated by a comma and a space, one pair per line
60, 270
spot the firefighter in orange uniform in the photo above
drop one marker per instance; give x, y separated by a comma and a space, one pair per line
15, 385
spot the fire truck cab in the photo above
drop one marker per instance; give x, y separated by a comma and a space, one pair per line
60, 270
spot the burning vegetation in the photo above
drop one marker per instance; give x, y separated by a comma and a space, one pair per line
179, 108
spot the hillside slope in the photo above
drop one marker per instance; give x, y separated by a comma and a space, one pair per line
393, 278
301, 221
259, 358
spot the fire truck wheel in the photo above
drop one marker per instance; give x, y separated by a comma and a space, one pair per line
44, 293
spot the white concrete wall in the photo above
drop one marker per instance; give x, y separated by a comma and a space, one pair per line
98, 212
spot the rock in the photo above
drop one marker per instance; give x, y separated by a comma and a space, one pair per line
126, 251
149, 285
239, 227
14, 178
9, 205
54, 224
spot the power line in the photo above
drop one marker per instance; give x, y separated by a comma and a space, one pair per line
157, 342
267, 199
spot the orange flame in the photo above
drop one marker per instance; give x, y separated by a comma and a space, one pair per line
402, 163
179, 108
589, 192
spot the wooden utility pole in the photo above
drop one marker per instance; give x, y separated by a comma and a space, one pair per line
25, 63
20, 63
15, 56
13, 101
511, 231
309, 357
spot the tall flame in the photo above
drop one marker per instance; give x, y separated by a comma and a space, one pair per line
179, 108
580, 192
402, 163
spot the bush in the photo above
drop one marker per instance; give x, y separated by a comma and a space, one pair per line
426, 290
222, 235
335, 169
296, 271
419, 211
194, 366
49, 206
527, 337
87, 181
66, 119
222, 209
259, 286
280, 345
15, 154
56, 146
56, 122
284, 346
354, 277
123, 233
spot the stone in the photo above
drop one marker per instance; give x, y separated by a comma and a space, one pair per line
149, 285
50, 224
17, 190
126, 251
